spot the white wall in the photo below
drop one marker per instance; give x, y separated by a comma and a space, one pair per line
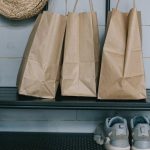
13, 40
69, 121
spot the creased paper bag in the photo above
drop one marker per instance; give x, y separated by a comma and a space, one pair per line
39, 72
81, 55
122, 69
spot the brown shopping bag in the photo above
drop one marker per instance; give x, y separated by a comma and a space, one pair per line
39, 72
122, 69
81, 55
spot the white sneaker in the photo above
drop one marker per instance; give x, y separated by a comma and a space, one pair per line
114, 134
140, 126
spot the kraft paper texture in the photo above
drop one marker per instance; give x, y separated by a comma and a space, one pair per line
39, 73
122, 69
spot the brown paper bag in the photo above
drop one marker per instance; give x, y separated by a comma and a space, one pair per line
122, 70
39, 72
81, 55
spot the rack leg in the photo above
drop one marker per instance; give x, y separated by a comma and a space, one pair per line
107, 8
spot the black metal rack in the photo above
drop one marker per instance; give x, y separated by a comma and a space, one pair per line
107, 8
10, 99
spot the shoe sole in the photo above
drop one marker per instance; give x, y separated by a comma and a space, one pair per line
111, 147
98, 139
134, 148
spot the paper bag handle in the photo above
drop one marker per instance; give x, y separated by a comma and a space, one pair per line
52, 5
90, 3
66, 7
119, 2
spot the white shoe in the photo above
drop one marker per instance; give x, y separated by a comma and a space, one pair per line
140, 126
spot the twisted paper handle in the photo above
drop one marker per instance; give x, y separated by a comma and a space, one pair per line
119, 2
90, 3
